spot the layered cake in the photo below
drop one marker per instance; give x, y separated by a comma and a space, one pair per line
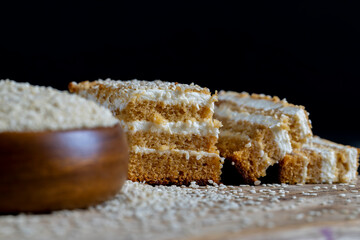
320, 161
259, 131
170, 128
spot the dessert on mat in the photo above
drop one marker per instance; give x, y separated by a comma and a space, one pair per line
320, 161
258, 131
170, 128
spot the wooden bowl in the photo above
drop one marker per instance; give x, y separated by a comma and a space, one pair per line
53, 170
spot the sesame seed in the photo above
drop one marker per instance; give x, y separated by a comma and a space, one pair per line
179, 210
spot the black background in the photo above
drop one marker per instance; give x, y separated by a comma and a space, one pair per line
306, 52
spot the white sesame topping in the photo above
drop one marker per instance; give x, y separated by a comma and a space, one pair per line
256, 183
248, 145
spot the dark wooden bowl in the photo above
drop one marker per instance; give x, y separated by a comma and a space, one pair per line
53, 170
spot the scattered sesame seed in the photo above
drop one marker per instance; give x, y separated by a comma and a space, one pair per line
175, 210
299, 216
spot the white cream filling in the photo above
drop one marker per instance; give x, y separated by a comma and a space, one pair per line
281, 136
283, 140
187, 153
250, 102
189, 127
304, 173
168, 97
267, 121
328, 164
267, 105
304, 130
328, 167
351, 155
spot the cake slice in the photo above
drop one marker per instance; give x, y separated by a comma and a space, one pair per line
258, 131
320, 161
298, 123
170, 128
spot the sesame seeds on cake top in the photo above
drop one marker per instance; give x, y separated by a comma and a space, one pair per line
170, 128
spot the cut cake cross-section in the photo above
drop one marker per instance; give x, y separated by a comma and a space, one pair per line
170, 128
320, 161
258, 131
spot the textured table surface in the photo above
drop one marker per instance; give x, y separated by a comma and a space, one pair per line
141, 211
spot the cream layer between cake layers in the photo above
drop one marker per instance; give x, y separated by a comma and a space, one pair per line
320, 161
347, 158
252, 141
298, 121
259, 131
123, 92
280, 135
166, 124
189, 127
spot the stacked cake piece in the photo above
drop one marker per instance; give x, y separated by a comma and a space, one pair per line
260, 131
174, 139
320, 161
170, 128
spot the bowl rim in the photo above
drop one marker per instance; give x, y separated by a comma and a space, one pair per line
49, 131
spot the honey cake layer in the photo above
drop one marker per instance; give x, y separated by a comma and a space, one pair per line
158, 111
323, 165
310, 165
165, 141
299, 124
293, 168
250, 157
257, 127
173, 167
347, 157
148, 100
190, 135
